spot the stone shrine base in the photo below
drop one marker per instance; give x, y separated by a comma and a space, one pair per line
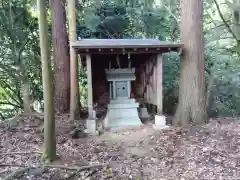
122, 113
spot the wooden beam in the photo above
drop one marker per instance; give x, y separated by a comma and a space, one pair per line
125, 51
159, 88
89, 83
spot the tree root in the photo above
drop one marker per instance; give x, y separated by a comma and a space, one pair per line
14, 174
28, 168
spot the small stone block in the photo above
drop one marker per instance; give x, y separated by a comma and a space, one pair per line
91, 127
160, 122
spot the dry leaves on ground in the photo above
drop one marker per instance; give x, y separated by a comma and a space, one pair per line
208, 152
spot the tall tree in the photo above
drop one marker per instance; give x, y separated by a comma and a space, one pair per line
192, 105
16, 29
74, 99
61, 57
49, 121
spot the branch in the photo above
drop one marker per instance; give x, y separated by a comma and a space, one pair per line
21, 49
9, 103
2, 117
8, 70
70, 168
216, 26
28, 168
207, 70
171, 13
18, 93
16, 173
13, 97
224, 21
227, 49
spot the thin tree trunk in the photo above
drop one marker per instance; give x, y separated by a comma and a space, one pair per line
74, 100
192, 105
49, 121
25, 88
210, 95
61, 57
26, 98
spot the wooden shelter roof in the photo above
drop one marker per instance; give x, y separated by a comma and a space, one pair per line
101, 46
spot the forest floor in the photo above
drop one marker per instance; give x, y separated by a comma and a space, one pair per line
208, 152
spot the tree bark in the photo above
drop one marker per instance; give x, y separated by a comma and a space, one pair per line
26, 97
61, 57
25, 88
74, 93
49, 121
192, 102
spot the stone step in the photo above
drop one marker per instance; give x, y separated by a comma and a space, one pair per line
122, 101
118, 122
123, 106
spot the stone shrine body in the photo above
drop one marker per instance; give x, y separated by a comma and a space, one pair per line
122, 109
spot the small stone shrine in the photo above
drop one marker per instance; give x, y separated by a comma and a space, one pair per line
122, 109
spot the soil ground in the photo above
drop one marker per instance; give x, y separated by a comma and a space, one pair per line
208, 152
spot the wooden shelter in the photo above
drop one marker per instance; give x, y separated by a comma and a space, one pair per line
145, 55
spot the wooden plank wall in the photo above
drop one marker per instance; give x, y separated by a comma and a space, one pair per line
148, 81
151, 82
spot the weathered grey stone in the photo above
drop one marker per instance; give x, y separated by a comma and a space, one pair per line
122, 111
160, 122
91, 127
143, 113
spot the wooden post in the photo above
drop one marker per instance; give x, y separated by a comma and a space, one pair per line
89, 82
159, 87
74, 100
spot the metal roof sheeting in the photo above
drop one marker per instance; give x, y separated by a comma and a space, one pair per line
122, 43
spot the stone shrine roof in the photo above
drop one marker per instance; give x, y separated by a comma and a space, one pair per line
120, 74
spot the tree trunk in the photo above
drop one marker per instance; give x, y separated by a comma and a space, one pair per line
26, 97
74, 100
49, 121
61, 57
25, 88
192, 105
